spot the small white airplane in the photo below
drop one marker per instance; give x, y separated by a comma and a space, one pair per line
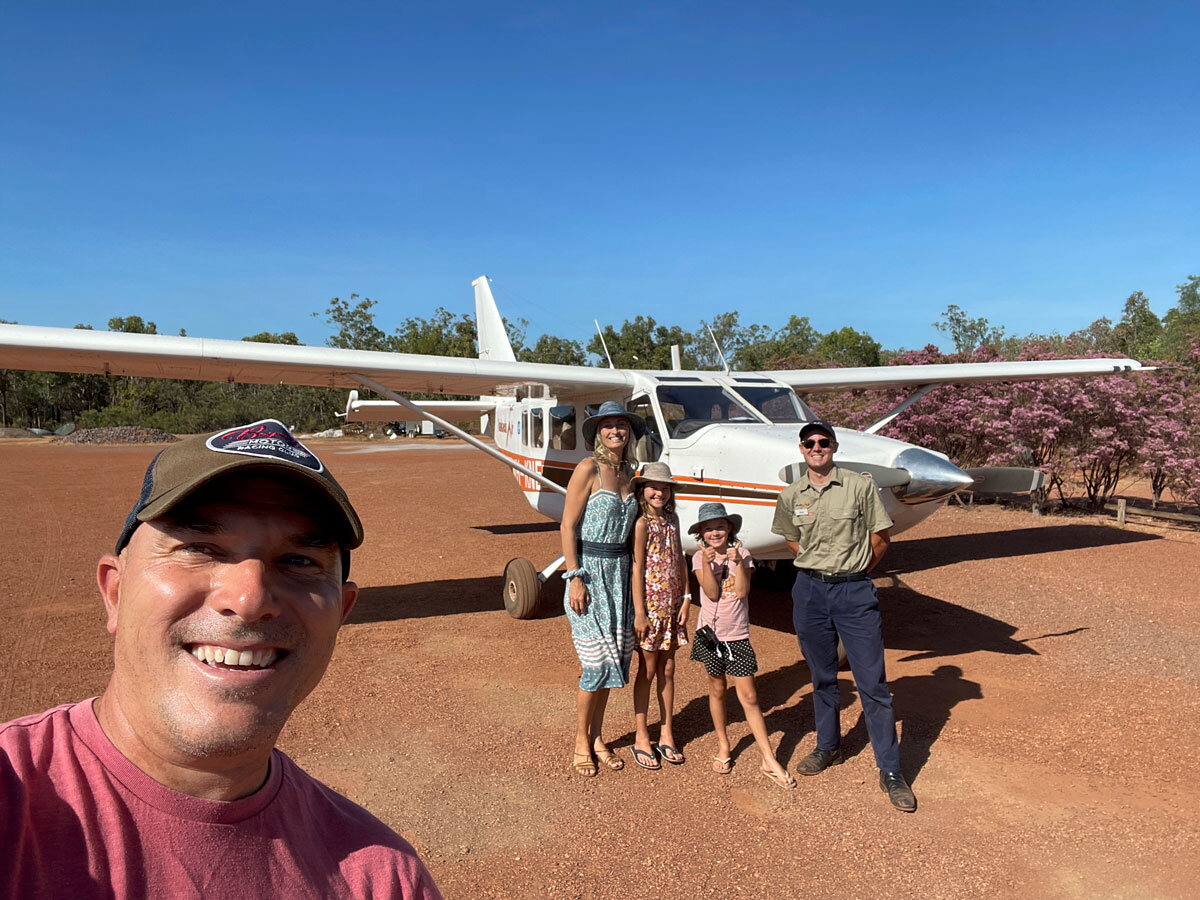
728, 436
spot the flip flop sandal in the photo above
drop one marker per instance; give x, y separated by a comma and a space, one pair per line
785, 780
610, 760
675, 758
722, 766
637, 758
583, 764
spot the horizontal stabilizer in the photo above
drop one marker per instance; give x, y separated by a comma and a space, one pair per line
1005, 480
390, 411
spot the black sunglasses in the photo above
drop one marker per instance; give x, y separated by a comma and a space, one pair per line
816, 442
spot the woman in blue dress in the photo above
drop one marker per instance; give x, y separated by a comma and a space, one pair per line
598, 516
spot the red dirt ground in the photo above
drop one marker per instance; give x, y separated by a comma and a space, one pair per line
1046, 676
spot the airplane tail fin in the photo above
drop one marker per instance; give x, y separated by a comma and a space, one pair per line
489, 327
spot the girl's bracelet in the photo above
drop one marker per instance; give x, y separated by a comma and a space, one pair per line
687, 596
574, 573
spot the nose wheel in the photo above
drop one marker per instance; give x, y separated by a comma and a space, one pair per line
522, 589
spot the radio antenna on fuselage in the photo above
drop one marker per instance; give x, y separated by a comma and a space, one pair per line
717, 344
603, 344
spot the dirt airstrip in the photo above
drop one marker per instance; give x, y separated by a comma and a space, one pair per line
1046, 675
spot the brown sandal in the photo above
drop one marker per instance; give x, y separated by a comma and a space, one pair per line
610, 760
583, 764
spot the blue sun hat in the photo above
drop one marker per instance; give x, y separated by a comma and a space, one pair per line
610, 408
710, 511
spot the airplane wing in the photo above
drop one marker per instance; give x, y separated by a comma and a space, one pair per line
202, 359
949, 373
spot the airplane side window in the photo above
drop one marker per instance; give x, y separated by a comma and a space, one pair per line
779, 404
687, 409
525, 436
649, 446
562, 427
537, 436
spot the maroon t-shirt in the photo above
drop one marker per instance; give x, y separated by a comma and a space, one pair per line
79, 820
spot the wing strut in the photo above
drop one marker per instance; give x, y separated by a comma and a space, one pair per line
454, 429
916, 395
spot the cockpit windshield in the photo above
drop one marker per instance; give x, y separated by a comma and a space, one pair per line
777, 403
688, 408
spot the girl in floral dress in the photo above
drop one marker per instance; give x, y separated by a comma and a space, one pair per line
661, 602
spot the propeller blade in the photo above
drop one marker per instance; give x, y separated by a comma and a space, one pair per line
883, 476
1005, 480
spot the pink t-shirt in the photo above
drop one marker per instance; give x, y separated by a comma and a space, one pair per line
730, 617
79, 820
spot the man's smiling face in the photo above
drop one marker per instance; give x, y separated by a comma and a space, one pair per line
225, 614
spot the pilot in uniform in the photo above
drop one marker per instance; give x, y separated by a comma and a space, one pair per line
835, 523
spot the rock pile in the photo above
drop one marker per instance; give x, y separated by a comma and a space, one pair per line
118, 434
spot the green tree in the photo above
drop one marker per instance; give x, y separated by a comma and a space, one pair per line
355, 324
552, 349
1139, 333
1097, 337
131, 325
274, 337
763, 350
643, 344
1181, 325
966, 333
847, 347
442, 334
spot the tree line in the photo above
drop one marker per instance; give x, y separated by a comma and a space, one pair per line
1085, 433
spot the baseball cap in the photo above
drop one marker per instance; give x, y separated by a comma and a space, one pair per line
817, 425
267, 445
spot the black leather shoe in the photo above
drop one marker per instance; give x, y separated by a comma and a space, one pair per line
898, 791
818, 761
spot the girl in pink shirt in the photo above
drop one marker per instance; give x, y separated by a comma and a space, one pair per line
722, 638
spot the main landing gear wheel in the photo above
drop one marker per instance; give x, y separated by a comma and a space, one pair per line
522, 590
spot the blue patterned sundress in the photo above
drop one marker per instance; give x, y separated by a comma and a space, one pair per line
603, 634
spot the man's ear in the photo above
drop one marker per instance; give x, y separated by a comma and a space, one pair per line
349, 596
108, 578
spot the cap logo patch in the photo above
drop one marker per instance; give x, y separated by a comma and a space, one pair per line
268, 439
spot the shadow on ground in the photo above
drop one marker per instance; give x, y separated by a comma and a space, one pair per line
928, 553
928, 626
518, 528
449, 597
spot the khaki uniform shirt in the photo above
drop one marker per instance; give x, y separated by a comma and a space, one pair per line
833, 523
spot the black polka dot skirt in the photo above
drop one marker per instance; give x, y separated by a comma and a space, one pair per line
734, 658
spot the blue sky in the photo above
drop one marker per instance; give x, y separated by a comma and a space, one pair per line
227, 168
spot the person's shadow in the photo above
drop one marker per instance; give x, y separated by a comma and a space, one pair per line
922, 703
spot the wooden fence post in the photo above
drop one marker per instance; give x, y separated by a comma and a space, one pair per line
1121, 511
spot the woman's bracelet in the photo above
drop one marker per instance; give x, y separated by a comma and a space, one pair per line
574, 573
687, 596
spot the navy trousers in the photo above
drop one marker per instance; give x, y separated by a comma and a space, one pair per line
821, 612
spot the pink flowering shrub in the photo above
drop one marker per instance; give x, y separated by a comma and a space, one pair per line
1085, 433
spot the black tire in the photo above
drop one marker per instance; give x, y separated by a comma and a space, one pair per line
522, 590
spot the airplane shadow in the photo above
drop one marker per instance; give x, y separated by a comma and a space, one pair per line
928, 553
518, 528
928, 626
448, 597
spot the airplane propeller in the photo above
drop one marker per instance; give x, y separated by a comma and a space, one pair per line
917, 477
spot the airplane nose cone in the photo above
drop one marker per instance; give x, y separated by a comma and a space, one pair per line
930, 476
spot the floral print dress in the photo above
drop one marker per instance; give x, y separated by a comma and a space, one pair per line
664, 592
